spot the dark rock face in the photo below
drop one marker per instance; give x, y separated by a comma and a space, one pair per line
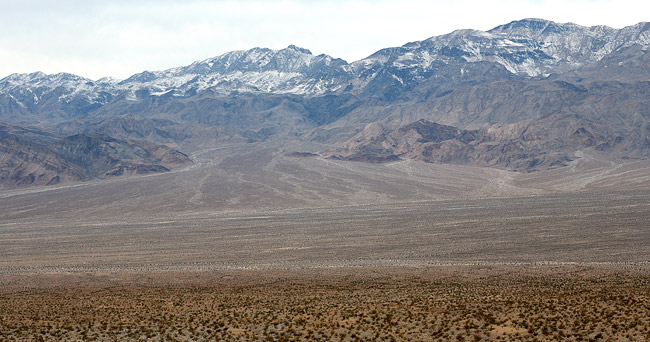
30, 157
301, 154
27, 160
105, 156
538, 144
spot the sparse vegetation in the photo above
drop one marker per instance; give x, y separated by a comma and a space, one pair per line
387, 305
569, 267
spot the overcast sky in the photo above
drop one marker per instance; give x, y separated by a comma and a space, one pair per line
119, 38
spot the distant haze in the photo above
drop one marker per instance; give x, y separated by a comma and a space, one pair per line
119, 38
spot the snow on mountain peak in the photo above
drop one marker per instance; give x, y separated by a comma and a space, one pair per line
534, 26
528, 48
299, 49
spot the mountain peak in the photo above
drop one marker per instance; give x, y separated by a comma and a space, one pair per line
37, 74
534, 25
299, 49
17, 77
466, 32
143, 77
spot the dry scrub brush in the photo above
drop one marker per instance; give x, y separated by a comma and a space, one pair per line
351, 308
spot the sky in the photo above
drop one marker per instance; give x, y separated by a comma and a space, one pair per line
118, 38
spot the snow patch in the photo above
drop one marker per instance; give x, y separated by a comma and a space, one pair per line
130, 96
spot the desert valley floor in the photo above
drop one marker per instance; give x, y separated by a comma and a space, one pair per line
262, 246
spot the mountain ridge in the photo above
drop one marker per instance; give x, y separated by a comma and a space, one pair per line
531, 92
264, 59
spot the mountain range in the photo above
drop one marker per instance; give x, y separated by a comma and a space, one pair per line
524, 96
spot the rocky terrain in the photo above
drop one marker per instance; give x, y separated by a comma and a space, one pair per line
546, 143
526, 95
34, 157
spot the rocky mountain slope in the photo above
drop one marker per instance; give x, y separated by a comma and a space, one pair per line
530, 93
526, 145
33, 157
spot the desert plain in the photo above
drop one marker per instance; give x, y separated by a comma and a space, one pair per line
260, 246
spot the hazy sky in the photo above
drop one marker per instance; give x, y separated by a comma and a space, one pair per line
119, 38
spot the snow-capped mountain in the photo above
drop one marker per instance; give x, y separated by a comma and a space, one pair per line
526, 48
530, 70
31, 88
291, 70
522, 95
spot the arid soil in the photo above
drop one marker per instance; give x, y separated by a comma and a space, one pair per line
264, 178
266, 247
560, 229
569, 303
